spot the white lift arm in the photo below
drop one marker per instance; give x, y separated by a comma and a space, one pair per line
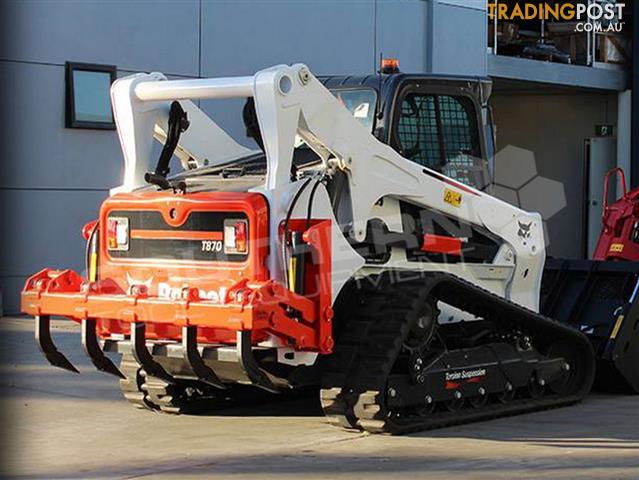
290, 101
141, 106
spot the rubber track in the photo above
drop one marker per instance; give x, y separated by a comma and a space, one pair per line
131, 387
354, 383
167, 397
150, 393
180, 397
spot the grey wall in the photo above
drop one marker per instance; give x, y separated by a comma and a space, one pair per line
459, 38
554, 128
54, 179
135, 35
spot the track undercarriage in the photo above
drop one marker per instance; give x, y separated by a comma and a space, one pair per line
395, 370
182, 396
148, 392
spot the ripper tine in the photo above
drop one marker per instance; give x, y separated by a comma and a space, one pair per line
92, 348
252, 370
47, 347
142, 354
194, 359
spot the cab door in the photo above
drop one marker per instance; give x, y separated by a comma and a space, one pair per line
440, 126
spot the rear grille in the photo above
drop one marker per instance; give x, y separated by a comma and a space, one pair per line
199, 238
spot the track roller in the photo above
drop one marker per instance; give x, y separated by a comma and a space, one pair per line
131, 385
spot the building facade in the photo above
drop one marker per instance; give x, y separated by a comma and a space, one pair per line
56, 177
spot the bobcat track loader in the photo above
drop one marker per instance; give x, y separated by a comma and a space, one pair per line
329, 258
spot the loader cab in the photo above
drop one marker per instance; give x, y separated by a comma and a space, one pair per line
440, 122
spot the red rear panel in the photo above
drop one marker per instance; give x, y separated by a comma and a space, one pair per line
163, 243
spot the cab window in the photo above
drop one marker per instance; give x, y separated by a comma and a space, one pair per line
440, 132
361, 103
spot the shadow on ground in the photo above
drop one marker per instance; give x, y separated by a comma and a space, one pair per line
322, 464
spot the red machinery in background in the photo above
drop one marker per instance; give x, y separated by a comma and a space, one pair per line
619, 239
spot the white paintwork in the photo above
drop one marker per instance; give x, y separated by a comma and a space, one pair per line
291, 102
135, 122
297, 357
199, 88
204, 142
141, 107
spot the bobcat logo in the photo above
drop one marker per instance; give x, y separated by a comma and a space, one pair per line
524, 230
134, 282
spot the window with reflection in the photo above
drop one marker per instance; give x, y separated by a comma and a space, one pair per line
88, 100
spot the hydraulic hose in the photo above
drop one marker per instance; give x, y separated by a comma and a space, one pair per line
285, 227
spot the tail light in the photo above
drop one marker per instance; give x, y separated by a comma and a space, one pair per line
117, 233
235, 236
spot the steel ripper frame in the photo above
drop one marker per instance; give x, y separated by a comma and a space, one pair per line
256, 307
249, 309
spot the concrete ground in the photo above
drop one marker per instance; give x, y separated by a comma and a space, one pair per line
59, 425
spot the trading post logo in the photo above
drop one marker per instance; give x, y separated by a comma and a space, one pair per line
598, 17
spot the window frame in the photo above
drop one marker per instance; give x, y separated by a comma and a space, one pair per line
357, 88
415, 86
70, 114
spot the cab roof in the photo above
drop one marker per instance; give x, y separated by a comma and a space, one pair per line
386, 84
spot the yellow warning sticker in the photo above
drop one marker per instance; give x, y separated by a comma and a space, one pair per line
453, 198
616, 248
